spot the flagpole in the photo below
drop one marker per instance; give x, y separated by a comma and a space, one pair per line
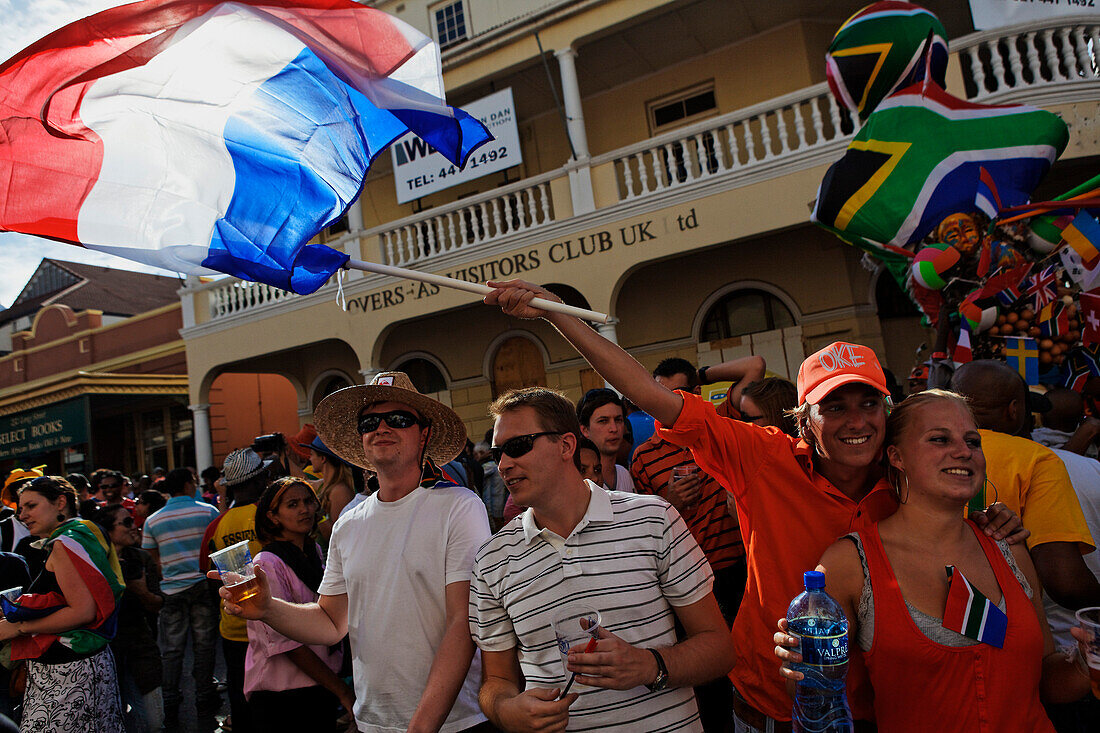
450, 282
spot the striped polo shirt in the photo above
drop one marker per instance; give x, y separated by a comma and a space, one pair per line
632, 558
711, 523
175, 532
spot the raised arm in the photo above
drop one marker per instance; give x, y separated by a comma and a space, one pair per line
619, 368
742, 372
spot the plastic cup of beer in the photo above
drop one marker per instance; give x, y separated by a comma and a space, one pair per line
1089, 620
234, 565
575, 626
683, 471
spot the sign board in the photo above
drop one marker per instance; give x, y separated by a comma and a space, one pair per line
988, 14
43, 430
418, 170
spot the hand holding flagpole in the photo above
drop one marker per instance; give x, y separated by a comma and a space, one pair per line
450, 282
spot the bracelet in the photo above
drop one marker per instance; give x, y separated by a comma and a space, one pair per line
702, 374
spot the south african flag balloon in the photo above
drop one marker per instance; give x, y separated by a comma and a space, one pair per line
884, 47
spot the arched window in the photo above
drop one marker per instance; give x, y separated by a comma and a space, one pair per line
743, 312
329, 386
425, 375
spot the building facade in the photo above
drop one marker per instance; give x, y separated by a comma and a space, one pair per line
667, 153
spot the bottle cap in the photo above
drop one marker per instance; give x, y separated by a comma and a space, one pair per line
813, 579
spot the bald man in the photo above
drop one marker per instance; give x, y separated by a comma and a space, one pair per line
1031, 480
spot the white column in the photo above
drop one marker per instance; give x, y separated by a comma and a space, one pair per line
355, 216
571, 93
580, 176
607, 330
200, 429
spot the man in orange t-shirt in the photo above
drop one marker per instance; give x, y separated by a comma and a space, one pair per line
795, 496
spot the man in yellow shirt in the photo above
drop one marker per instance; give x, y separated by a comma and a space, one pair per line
1032, 481
245, 475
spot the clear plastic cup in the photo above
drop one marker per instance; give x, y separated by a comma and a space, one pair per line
575, 626
682, 472
234, 565
1089, 620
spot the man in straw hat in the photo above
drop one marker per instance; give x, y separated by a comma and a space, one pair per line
398, 574
795, 496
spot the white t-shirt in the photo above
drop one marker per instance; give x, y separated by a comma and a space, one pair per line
1084, 474
623, 481
394, 560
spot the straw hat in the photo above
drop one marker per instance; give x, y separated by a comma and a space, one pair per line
337, 418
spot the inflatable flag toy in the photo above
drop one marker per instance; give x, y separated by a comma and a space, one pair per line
931, 265
202, 136
919, 159
884, 47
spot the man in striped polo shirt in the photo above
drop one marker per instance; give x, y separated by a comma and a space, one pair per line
630, 557
173, 536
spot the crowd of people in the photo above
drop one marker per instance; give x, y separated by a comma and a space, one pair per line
410, 578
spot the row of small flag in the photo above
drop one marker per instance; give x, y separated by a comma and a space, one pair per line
1022, 354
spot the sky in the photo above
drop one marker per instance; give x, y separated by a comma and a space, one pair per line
25, 21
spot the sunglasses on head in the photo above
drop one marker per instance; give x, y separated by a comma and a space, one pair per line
396, 419
518, 446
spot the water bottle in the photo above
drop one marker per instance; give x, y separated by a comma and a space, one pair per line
818, 621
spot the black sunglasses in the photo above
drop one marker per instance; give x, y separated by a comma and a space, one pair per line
518, 446
397, 419
110, 486
127, 522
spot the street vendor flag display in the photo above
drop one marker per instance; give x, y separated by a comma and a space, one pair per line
970, 613
919, 159
200, 136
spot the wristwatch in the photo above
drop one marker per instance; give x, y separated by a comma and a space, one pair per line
661, 682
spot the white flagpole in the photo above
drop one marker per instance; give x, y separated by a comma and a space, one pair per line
450, 282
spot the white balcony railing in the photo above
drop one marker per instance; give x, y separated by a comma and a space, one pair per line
468, 222
779, 128
1027, 56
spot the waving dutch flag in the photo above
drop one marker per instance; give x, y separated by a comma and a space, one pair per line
203, 136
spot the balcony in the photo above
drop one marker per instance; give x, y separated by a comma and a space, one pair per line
1050, 63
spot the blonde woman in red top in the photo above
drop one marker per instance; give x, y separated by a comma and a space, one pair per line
891, 580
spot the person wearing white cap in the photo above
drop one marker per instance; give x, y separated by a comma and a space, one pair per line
398, 574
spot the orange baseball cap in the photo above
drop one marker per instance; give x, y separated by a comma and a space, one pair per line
836, 365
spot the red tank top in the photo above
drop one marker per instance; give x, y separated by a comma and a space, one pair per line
969, 689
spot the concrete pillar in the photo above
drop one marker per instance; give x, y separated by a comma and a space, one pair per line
200, 427
580, 175
369, 374
571, 93
607, 330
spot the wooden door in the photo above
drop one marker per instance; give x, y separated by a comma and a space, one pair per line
518, 363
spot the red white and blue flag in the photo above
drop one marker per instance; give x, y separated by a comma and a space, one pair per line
1042, 287
200, 136
971, 614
